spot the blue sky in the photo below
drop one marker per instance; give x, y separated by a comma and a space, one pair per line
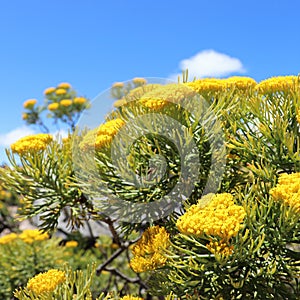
94, 43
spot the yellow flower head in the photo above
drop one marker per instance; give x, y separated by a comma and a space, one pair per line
29, 104
66, 102
139, 81
53, 106
137, 93
102, 136
71, 244
24, 116
60, 92
278, 84
219, 217
207, 85
8, 238
148, 251
240, 82
64, 85
287, 191
118, 85
31, 235
46, 282
49, 90
163, 95
111, 127
79, 100
31, 143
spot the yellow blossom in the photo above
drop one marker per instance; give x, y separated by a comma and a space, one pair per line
24, 116
64, 85
139, 81
207, 85
8, 238
31, 235
278, 84
219, 217
163, 95
29, 104
79, 100
31, 143
118, 85
49, 90
148, 251
102, 136
240, 82
66, 102
119, 103
53, 106
287, 190
60, 92
46, 282
71, 244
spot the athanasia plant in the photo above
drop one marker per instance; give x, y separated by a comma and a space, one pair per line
198, 183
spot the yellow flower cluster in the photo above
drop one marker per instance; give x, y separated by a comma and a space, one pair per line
101, 137
8, 238
66, 102
137, 93
28, 236
60, 92
49, 90
118, 85
31, 235
64, 85
71, 244
240, 82
207, 85
148, 251
53, 106
287, 190
79, 100
46, 282
220, 248
278, 84
163, 95
28, 104
219, 217
139, 81
31, 143
128, 297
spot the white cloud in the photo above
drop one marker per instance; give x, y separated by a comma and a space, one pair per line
6, 139
210, 63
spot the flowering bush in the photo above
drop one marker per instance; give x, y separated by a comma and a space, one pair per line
207, 172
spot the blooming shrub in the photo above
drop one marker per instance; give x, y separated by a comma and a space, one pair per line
225, 232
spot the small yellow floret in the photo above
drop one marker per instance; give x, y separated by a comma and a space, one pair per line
129, 297
53, 106
49, 90
66, 102
64, 85
79, 100
60, 92
28, 104
7, 239
71, 244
